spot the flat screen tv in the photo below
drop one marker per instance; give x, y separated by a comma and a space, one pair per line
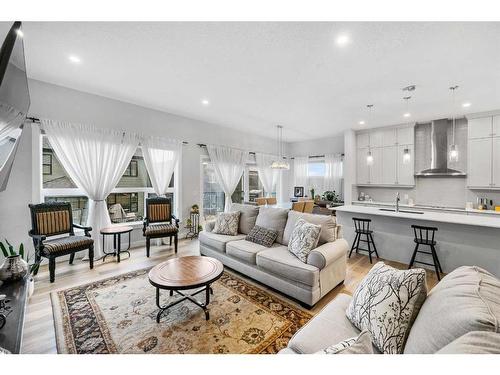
14, 98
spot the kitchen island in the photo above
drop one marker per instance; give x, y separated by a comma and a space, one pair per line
464, 238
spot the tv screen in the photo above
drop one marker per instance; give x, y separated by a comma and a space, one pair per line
14, 97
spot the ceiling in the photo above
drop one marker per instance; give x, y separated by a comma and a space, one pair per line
257, 75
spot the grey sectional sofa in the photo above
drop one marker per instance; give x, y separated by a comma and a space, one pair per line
460, 315
276, 266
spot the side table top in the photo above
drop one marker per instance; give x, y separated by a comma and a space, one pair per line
116, 230
185, 272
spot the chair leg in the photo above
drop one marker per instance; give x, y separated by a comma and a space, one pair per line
170, 240
436, 267
175, 243
374, 247
353, 244
369, 247
438, 262
91, 256
148, 244
38, 260
357, 244
71, 258
52, 269
413, 256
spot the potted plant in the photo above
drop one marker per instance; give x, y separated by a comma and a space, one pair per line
16, 265
331, 196
195, 209
189, 223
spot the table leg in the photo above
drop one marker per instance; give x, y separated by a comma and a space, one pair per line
118, 247
103, 251
207, 295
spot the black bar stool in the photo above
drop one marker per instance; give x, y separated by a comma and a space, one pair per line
425, 236
362, 227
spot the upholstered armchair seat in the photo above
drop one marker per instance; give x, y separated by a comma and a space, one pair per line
160, 222
161, 229
64, 244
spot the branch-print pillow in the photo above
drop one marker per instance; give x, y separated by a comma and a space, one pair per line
386, 303
362, 344
304, 239
227, 223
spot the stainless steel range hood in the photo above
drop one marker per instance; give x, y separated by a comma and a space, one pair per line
431, 150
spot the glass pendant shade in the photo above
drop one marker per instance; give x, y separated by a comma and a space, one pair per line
369, 158
280, 163
406, 156
453, 153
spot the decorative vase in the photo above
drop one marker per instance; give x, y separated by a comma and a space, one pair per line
13, 268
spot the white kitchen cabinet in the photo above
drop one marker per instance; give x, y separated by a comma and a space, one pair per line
363, 140
363, 170
496, 126
480, 162
406, 171
405, 136
377, 168
389, 137
389, 164
376, 138
480, 127
495, 178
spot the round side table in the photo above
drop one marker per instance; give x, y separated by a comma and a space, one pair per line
116, 232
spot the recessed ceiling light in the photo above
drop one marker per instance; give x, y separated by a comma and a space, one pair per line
74, 59
20, 32
407, 114
205, 102
342, 40
466, 104
361, 122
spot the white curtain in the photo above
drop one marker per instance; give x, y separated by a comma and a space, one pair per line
229, 164
268, 176
95, 159
160, 157
300, 165
12, 119
333, 173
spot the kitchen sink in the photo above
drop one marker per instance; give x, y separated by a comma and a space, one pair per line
405, 211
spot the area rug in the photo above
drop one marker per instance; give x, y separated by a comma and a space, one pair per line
118, 315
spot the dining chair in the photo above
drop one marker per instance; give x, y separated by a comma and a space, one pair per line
308, 206
260, 201
298, 206
271, 201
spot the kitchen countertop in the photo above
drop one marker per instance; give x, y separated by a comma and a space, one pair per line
463, 218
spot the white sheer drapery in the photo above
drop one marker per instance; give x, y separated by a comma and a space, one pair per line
300, 170
333, 173
268, 176
95, 159
229, 164
160, 156
12, 120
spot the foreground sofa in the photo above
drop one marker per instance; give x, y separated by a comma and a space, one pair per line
276, 266
460, 315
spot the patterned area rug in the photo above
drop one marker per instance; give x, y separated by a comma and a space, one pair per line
118, 315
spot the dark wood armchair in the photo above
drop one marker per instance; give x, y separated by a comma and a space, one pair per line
55, 219
159, 221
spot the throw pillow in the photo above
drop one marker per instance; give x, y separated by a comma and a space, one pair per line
262, 236
304, 239
386, 303
227, 223
362, 344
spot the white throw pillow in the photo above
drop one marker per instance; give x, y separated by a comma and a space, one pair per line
362, 344
386, 303
304, 239
227, 223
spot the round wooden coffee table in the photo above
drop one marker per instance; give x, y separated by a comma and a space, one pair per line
184, 273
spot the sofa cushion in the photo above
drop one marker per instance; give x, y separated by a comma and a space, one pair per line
247, 217
329, 325
273, 218
327, 222
217, 241
245, 250
477, 342
467, 299
227, 223
304, 239
361, 344
386, 303
262, 236
278, 260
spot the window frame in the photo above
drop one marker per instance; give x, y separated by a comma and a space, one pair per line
50, 155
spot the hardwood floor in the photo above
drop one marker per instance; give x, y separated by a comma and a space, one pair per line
39, 334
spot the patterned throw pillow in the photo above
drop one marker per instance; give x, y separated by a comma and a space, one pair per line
362, 344
227, 223
262, 236
386, 303
304, 239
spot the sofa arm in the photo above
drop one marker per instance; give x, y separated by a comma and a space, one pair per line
338, 231
328, 253
209, 225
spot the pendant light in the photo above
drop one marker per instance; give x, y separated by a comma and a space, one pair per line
369, 156
406, 151
280, 163
453, 155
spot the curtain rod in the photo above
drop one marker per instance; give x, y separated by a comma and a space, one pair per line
204, 145
317, 156
36, 120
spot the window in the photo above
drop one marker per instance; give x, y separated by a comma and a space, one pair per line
127, 201
316, 171
255, 188
213, 195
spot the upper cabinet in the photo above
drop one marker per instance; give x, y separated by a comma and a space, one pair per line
387, 147
484, 153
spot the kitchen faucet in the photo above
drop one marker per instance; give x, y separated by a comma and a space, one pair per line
397, 202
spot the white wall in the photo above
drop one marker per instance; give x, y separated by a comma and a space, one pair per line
320, 146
